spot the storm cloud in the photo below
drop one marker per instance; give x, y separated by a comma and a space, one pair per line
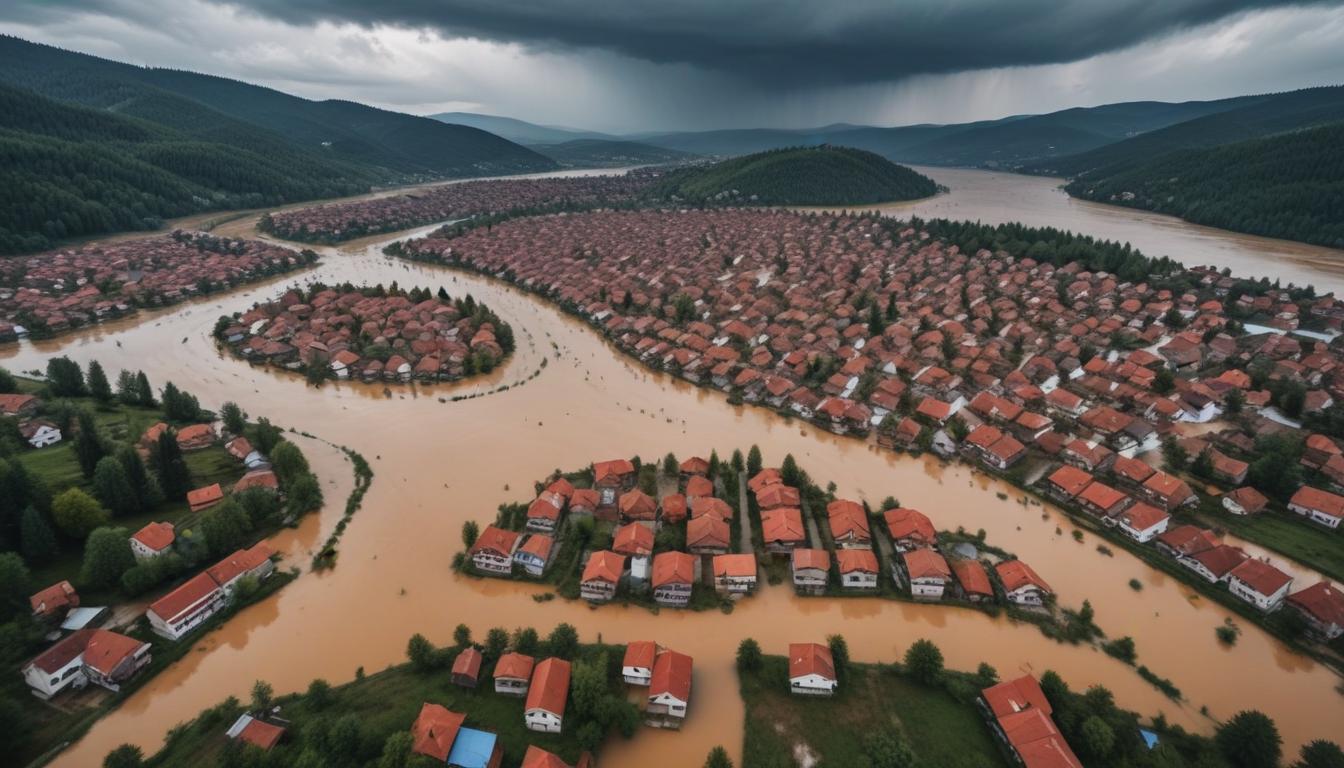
639, 67
797, 42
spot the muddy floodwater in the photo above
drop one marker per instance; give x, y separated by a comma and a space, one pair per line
439, 463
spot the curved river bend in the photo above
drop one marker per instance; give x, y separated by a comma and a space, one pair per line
439, 463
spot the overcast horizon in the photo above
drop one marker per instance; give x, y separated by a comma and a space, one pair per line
636, 67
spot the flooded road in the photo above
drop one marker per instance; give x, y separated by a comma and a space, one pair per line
439, 463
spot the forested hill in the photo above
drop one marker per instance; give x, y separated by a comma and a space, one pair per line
1252, 118
71, 171
402, 144
1288, 186
823, 175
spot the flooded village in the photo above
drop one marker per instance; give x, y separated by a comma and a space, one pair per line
1003, 433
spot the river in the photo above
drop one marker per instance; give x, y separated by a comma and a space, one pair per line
439, 463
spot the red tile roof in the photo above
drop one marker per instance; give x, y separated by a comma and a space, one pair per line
514, 665
903, 523
171, 605
550, 687
1016, 574
972, 577
1261, 576
468, 663
673, 568
240, 562
811, 659
672, 675
495, 539
604, 566
1323, 601
435, 730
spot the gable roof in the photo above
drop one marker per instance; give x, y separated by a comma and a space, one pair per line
671, 675
435, 730
811, 659
550, 686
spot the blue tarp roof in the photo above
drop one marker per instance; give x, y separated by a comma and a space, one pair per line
472, 749
1149, 738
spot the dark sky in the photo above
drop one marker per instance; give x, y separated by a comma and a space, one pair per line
638, 65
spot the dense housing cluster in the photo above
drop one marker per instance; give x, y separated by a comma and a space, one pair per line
370, 334
344, 221
1019, 363
52, 292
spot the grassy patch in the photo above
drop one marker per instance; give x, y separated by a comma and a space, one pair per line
781, 727
384, 703
1290, 536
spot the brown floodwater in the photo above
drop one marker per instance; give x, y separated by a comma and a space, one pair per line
997, 198
439, 463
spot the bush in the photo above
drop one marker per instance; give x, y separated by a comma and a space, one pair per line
924, 662
748, 655
107, 556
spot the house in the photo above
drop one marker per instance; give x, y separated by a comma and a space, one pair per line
610, 479
466, 670
546, 696
707, 535
1318, 506
1215, 564
1185, 540
777, 495
811, 669
438, 733
637, 666
782, 530
536, 757
698, 486
1102, 500
186, 607
927, 573
40, 433
673, 575
1019, 714
849, 524
669, 690
1067, 482
493, 550
255, 731
1259, 583
584, 501
99, 656
910, 529
257, 478
1142, 522
151, 541
633, 540
543, 514
254, 562
695, 465
534, 554
196, 437
858, 568
811, 570
204, 498
601, 575
972, 581
708, 505
239, 448
513, 673
735, 574
637, 507
1322, 605
54, 601
1168, 491
1245, 501
1021, 584
18, 405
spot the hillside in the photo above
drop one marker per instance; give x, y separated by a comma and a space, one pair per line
398, 146
519, 131
1288, 186
604, 153
799, 176
1256, 117
71, 171
1007, 142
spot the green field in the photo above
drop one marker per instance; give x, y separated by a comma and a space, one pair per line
782, 728
1291, 536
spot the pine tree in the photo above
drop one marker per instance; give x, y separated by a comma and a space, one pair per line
98, 383
89, 446
144, 392
171, 468
38, 540
113, 489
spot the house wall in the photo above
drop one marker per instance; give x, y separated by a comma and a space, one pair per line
1264, 602
927, 588
812, 685
512, 686
46, 685
493, 562
859, 580
637, 675
597, 591
673, 594
543, 721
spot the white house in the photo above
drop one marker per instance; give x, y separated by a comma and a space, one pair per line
1021, 584
40, 434
1259, 584
534, 554
186, 608
253, 562
544, 710
493, 550
513, 673
811, 669
858, 568
637, 667
1319, 506
928, 573
811, 568
1143, 522
669, 690
153, 540
88, 655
